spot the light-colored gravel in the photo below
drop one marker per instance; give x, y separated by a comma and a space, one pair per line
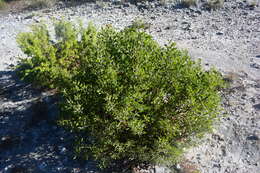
228, 39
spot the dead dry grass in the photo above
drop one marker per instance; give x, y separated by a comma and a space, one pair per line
188, 167
21, 5
36, 4
189, 3
2, 4
214, 4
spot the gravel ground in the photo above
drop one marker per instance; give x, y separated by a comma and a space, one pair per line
228, 39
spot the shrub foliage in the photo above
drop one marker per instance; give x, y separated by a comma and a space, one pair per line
127, 97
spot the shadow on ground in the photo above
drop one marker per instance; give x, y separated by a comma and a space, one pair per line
30, 140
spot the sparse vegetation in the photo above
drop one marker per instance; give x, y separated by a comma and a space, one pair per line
2, 4
209, 4
252, 3
40, 3
33, 4
189, 3
188, 167
139, 23
214, 4
129, 99
231, 77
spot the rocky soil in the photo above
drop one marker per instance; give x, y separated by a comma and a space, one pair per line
228, 39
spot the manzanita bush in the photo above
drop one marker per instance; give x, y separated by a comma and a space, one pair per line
128, 98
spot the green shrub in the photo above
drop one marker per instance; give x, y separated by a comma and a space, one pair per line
127, 98
51, 64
